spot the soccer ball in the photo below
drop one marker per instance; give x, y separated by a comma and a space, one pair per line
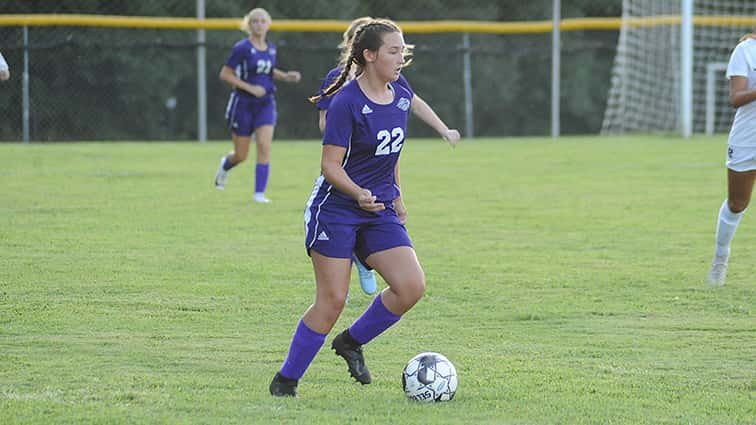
429, 377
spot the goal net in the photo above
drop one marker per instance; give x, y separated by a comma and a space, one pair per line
645, 87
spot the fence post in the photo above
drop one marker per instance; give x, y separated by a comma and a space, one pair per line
467, 77
686, 71
25, 88
201, 77
556, 64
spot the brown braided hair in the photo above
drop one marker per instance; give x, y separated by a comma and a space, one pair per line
368, 36
346, 41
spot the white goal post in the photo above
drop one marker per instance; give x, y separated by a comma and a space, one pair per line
648, 89
714, 71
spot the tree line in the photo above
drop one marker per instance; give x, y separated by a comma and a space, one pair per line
135, 84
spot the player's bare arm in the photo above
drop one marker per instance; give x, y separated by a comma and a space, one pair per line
422, 110
229, 77
739, 93
288, 76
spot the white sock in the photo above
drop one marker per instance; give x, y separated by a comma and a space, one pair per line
726, 226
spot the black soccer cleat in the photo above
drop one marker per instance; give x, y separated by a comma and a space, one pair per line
282, 386
346, 347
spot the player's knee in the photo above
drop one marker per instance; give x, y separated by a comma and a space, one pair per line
421, 288
332, 313
331, 307
240, 157
737, 205
416, 288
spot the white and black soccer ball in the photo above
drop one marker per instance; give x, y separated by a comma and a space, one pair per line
429, 377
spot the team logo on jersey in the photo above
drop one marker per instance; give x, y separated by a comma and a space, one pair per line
322, 236
366, 110
730, 152
403, 104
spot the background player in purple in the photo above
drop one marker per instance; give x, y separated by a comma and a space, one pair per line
419, 107
250, 70
352, 208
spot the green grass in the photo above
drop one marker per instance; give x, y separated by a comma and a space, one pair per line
566, 281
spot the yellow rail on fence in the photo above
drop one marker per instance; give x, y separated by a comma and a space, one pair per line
319, 25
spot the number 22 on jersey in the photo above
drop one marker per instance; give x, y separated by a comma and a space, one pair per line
390, 142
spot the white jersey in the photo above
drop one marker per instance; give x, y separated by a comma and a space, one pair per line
743, 64
3, 63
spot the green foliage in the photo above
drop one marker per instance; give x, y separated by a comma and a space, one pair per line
123, 77
565, 280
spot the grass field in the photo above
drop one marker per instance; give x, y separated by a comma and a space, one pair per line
566, 281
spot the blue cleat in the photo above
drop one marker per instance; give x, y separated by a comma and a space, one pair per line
367, 277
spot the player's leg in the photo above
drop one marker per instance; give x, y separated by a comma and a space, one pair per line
330, 248
232, 159
739, 189
263, 142
332, 282
387, 248
401, 269
264, 123
240, 123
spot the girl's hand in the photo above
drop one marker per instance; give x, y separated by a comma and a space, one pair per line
451, 137
366, 201
293, 76
256, 90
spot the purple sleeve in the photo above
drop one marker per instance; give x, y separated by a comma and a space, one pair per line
237, 56
325, 101
338, 129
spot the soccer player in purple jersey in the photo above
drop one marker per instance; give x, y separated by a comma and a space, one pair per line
367, 276
419, 107
251, 70
353, 207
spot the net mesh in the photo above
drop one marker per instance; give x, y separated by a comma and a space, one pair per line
645, 85
103, 83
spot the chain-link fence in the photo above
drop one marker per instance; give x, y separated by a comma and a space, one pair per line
92, 83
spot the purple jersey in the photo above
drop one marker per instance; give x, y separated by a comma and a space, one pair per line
253, 66
332, 75
373, 135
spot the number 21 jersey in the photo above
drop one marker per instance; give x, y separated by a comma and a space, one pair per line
253, 66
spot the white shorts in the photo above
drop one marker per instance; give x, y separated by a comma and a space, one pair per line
741, 158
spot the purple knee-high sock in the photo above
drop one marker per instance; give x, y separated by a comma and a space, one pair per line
261, 177
376, 319
304, 346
